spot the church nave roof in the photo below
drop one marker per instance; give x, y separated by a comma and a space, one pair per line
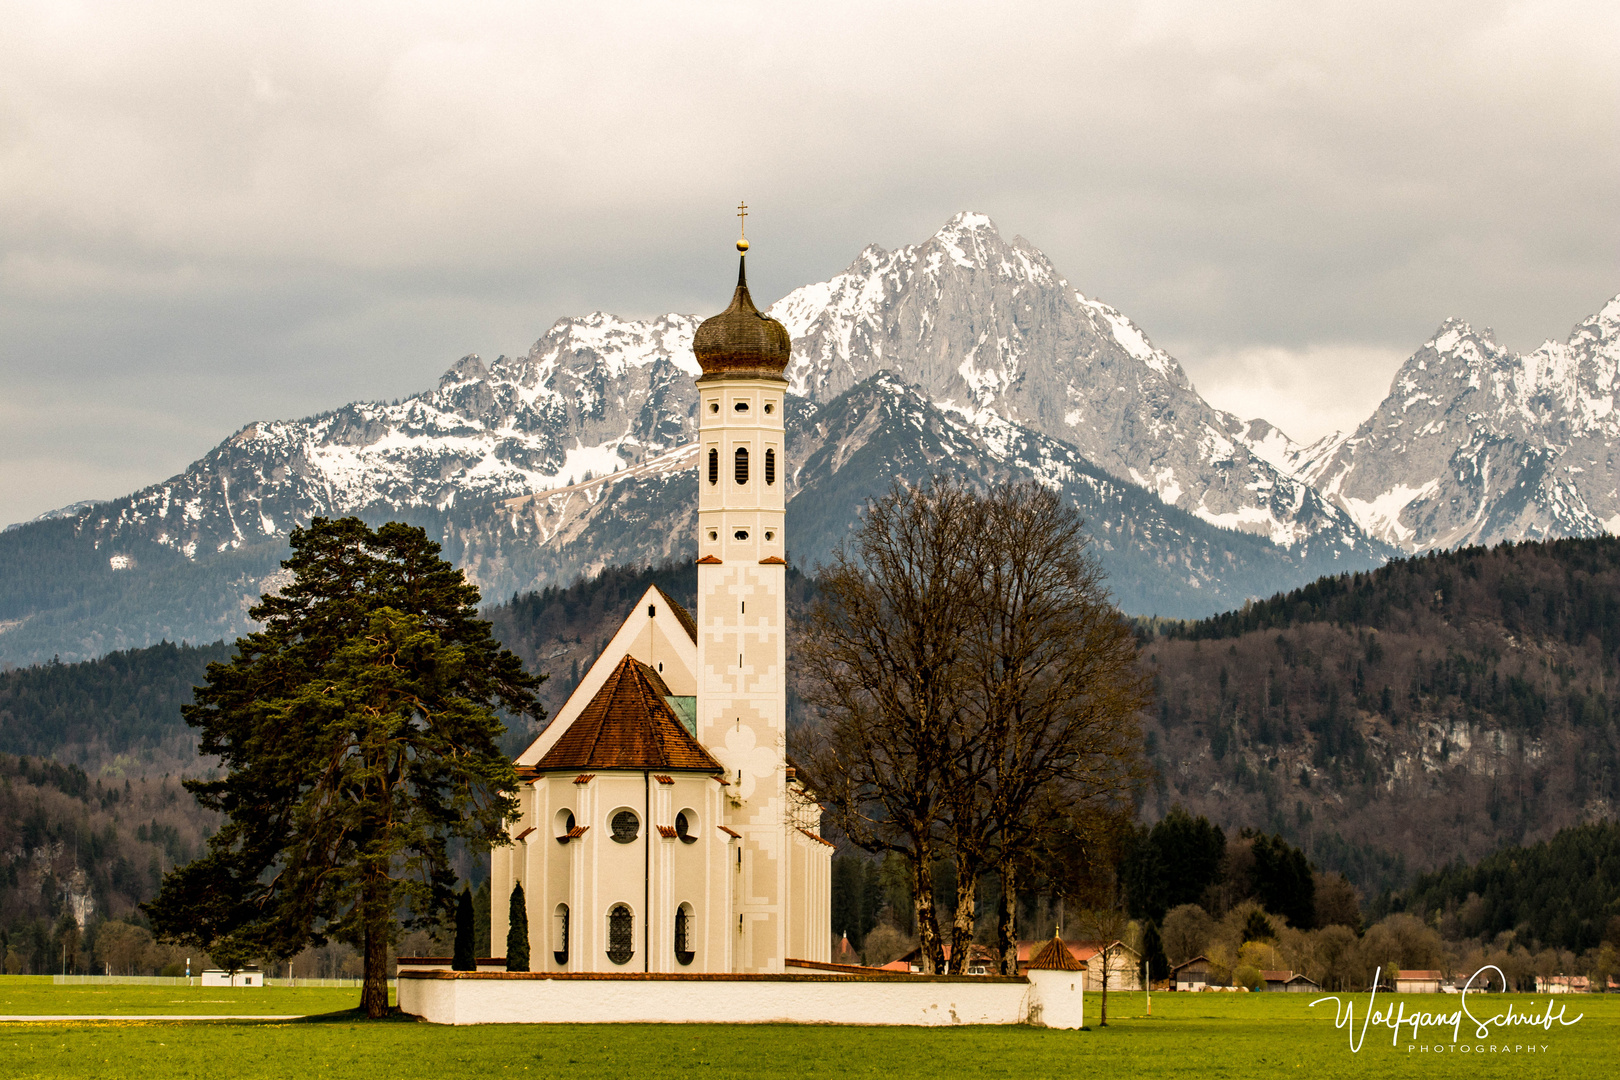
629, 725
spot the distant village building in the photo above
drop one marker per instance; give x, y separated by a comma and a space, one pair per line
1417, 981
248, 976
1289, 982
662, 827
1563, 984
1191, 974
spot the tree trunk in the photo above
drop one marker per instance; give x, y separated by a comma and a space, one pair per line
374, 994
922, 893
1104, 957
1007, 919
967, 915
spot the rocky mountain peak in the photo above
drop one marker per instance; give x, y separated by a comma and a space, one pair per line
468, 369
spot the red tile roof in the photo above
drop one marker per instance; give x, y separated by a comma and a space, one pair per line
524, 834
773, 560
576, 832
1055, 956
731, 832
708, 560
629, 725
662, 779
817, 839
667, 832
1410, 973
682, 616
584, 778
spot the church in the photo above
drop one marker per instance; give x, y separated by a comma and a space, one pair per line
662, 828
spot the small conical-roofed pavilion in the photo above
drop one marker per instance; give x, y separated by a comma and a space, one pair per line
1054, 956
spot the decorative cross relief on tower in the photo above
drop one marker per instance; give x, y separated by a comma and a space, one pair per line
742, 616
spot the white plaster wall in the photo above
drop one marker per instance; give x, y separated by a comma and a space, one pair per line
741, 652
1058, 998
483, 999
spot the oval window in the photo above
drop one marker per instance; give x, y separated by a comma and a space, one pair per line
741, 406
769, 409
714, 406
626, 827
621, 934
740, 534
742, 464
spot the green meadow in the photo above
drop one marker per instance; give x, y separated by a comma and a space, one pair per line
1205, 1035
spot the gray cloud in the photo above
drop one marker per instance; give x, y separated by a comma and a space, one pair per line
216, 213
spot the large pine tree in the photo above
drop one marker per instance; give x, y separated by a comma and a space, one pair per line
357, 734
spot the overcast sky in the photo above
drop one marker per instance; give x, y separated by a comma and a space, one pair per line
215, 213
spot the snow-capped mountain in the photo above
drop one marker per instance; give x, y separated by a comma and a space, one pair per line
984, 325
1159, 559
592, 395
1476, 445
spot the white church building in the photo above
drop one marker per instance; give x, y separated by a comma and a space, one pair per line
662, 827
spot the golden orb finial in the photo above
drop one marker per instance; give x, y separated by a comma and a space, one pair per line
742, 231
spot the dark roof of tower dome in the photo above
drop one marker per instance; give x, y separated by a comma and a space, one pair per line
742, 339
628, 725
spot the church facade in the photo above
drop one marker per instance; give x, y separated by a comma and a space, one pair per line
662, 828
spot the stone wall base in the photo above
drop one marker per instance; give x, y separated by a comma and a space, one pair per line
444, 997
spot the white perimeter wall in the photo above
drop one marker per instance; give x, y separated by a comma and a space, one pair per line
467, 998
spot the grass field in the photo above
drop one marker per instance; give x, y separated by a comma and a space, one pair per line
1203, 1035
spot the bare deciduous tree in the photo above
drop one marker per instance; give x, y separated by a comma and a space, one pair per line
883, 651
976, 689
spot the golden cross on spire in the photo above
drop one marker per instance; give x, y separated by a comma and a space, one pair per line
742, 229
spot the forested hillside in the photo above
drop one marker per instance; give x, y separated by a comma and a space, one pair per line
76, 851
119, 714
1563, 892
1395, 721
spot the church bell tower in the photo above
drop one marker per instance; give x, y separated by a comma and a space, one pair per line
741, 610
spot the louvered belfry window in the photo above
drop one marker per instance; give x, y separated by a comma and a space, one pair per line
742, 464
714, 466
770, 466
621, 934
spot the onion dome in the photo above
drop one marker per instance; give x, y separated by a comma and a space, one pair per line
742, 340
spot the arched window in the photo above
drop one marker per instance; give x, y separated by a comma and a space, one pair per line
683, 935
770, 466
742, 464
626, 826
686, 826
565, 826
559, 934
714, 466
621, 934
